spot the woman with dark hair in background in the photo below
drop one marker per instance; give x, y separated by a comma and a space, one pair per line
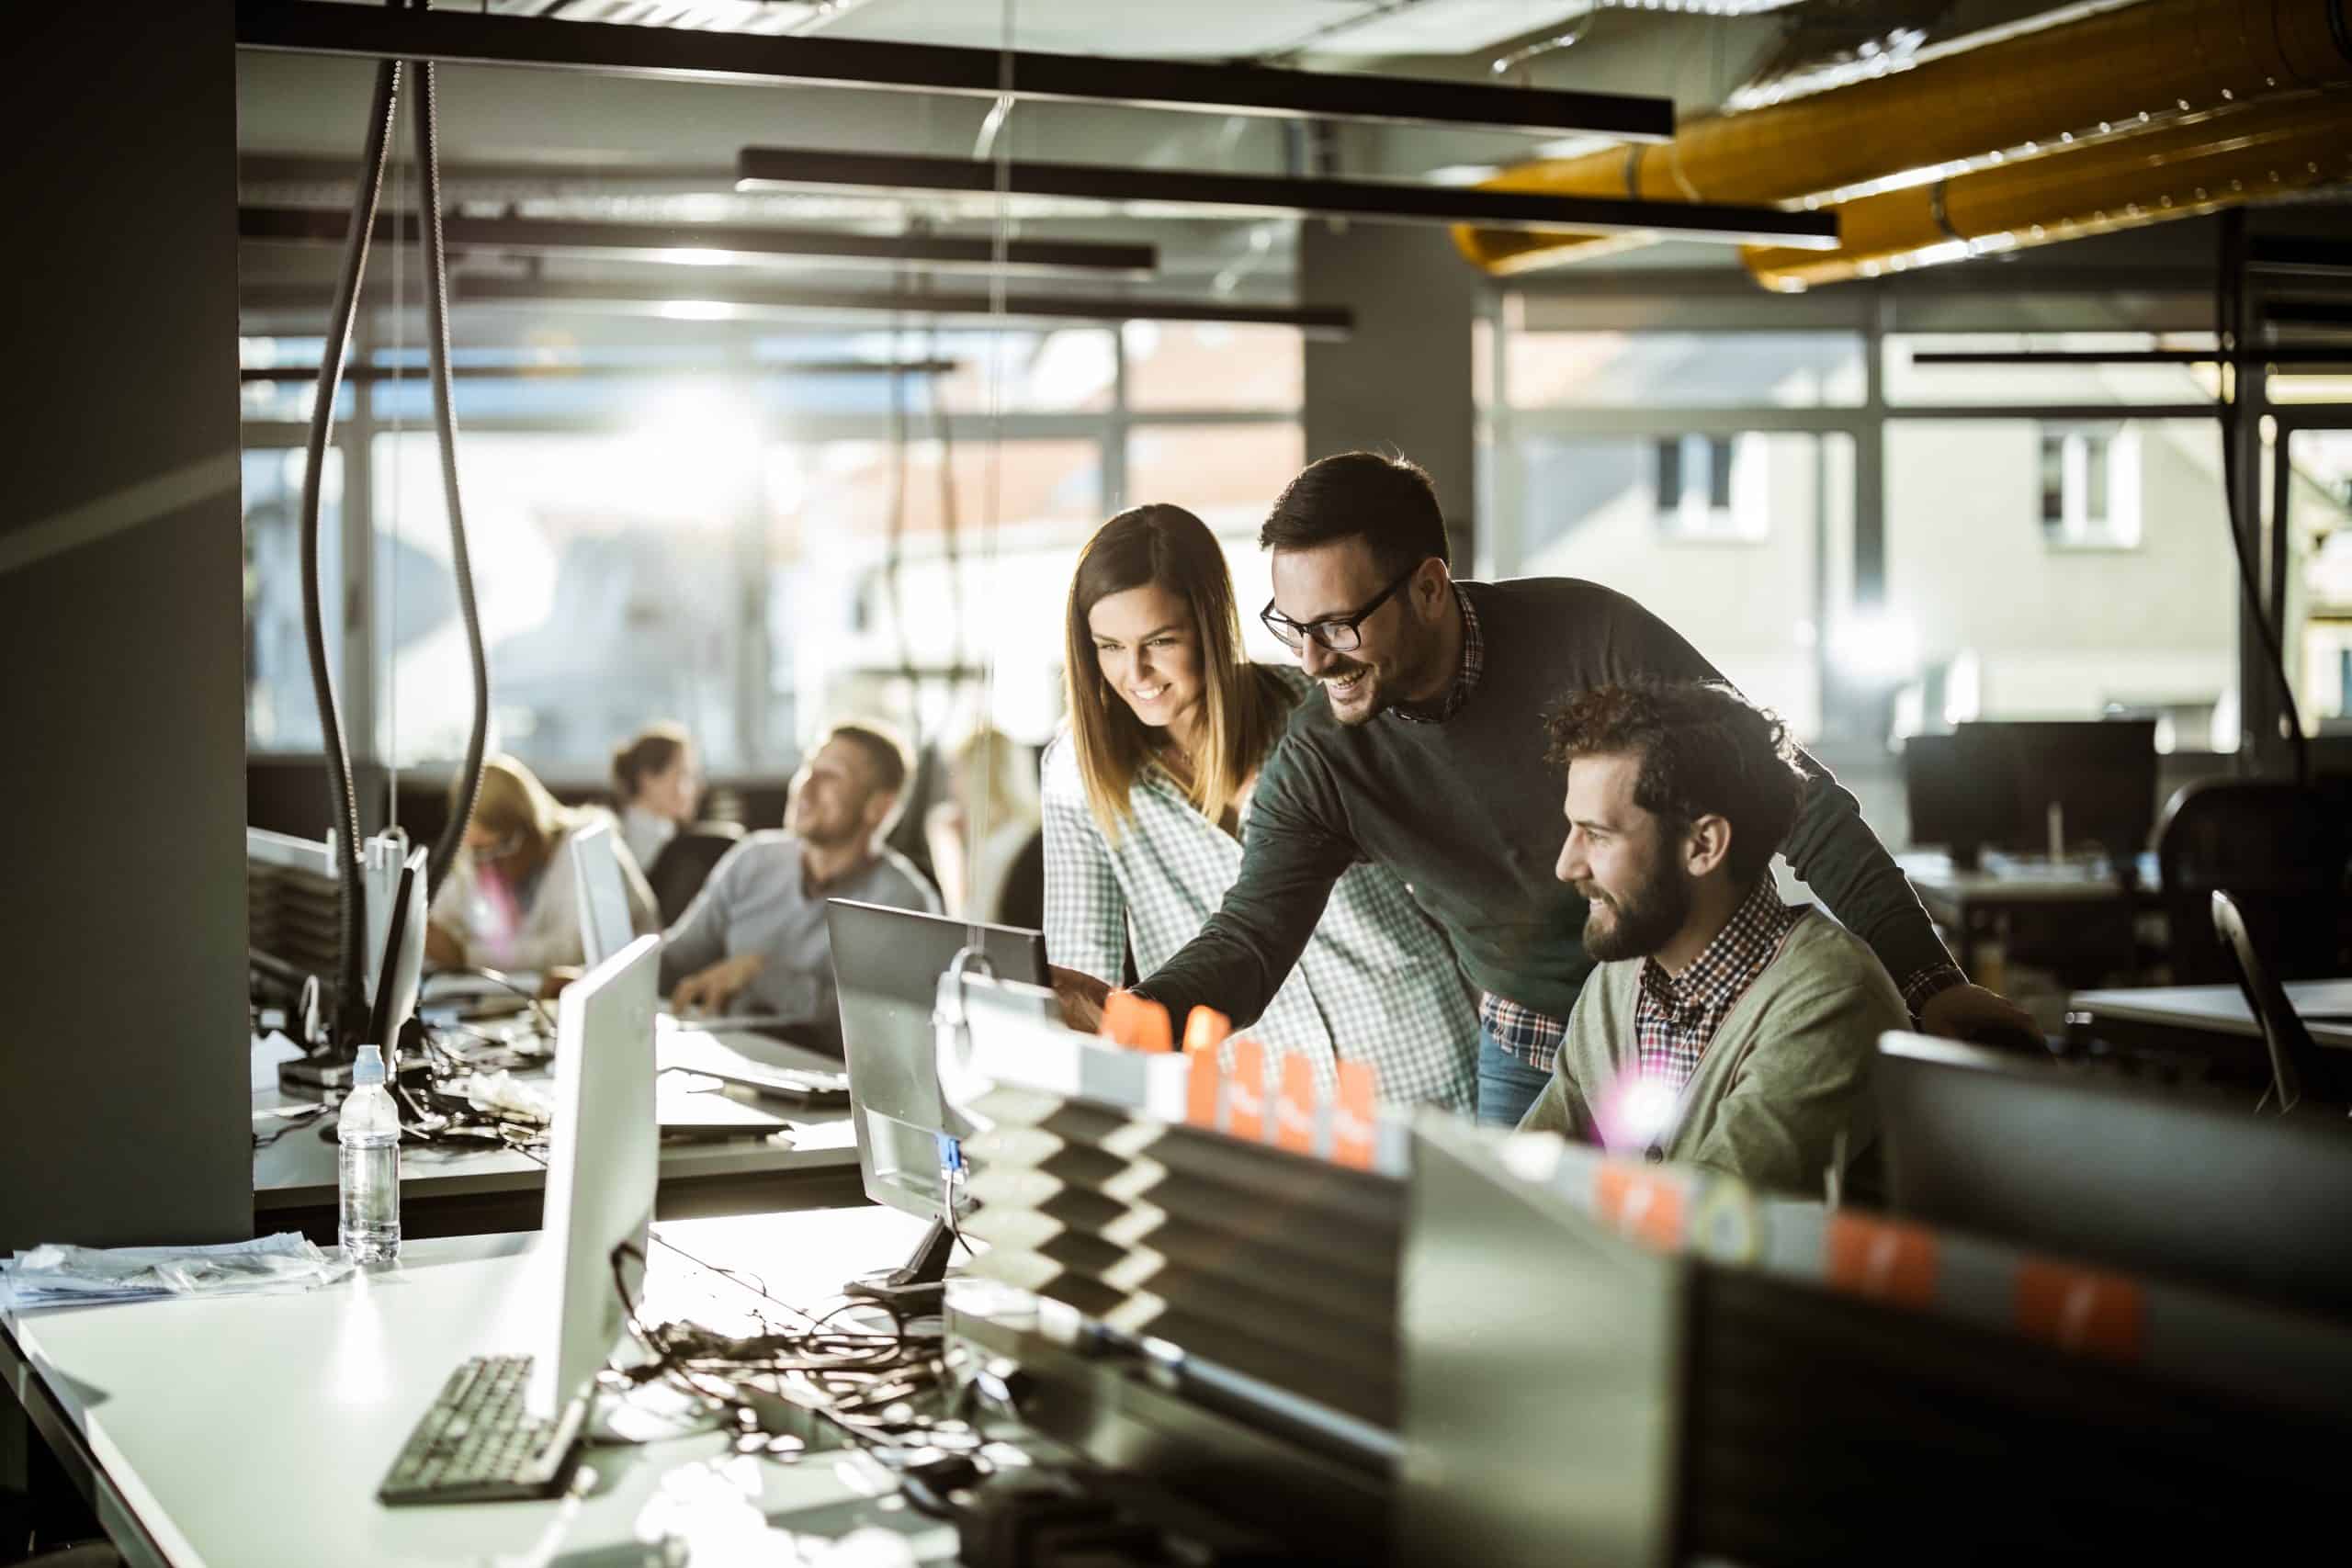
1146, 796
656, 781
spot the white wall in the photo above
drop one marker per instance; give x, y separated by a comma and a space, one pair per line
2060, 632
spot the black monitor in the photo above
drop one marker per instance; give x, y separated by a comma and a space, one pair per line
401, 974
2173, 1182
1943, 807
886, 965
2003, 778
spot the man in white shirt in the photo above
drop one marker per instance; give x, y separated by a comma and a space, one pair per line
754, 939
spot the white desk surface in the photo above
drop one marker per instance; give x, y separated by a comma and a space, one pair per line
250, 1431
298, 1168
2325, 1007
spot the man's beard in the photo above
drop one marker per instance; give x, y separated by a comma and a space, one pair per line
828, 835
1645, 919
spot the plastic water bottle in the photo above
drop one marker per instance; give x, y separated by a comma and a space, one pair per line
369, 1176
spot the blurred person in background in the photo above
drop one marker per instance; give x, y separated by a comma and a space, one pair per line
657, 781
1147, 800
754, 942
991, 782
511, 898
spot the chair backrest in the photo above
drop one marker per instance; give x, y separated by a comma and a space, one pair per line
1021, 900
2294, 1066
678, 873
2277, 850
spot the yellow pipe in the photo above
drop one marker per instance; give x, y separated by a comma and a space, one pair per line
2240, 154
2026, 93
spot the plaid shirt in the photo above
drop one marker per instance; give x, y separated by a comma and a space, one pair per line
1675, 1016
1377, 983
1465, 680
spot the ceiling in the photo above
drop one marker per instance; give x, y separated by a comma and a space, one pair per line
557, 143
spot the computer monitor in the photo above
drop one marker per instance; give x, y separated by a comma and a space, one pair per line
2168, 1182
1943, 807
603, 1165
886, 965
401, 973
2099, 773
604, 924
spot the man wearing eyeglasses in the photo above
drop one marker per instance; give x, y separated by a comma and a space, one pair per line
1427, 758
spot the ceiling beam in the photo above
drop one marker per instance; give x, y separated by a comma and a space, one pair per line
470, 38
702, 242
2252, 353
755, 367
682, 299
773, 168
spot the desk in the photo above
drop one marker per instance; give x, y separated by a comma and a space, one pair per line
2194, 1017
1971, 904
458, 1189
254, 1430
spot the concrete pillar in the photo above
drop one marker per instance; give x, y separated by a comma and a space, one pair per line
121, 632
1402, 381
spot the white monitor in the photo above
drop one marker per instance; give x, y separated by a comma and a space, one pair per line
604, 924
603, 1163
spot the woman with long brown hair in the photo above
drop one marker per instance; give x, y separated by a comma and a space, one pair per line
1146, 796
511, 899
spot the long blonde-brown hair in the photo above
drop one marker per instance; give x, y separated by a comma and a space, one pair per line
513, 803
1243, 708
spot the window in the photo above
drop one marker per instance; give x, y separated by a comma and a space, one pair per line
701, 527
1193, 367
2090, 486
2024, 631
1661, 369
1590, 506
605, 572
1700, 490
281, 707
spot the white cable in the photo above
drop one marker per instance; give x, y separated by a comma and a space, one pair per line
389, 559
977, 829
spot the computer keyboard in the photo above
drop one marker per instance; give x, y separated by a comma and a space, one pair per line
476, 1444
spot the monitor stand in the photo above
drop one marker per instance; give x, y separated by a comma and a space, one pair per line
915, 1284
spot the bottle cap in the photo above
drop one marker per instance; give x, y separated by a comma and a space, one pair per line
368, 1067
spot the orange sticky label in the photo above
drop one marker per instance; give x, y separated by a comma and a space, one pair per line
1882, 1260
1205, 1029
1200, 1089
1351, 1127
1135, 1022
1295, 1111
2081, 1309
1245, 1094
1641, 1204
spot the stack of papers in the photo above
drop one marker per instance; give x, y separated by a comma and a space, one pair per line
53, 1275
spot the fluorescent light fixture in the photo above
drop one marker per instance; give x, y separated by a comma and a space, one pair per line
772, 168
472, 38
743, 301
707, 244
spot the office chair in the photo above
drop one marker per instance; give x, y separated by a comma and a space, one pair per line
2277, 850
2300, 1071
678, 873
1021, 900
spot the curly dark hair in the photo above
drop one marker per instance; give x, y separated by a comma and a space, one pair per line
1705, 750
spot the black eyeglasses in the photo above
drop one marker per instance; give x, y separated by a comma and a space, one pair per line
1337, 632
1341, 634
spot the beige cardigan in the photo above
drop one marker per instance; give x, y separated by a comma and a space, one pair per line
1786, 1072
